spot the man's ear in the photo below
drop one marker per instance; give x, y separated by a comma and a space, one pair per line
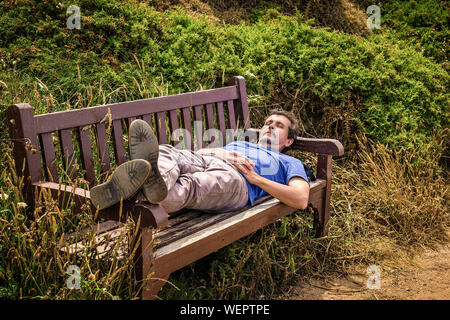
289, 142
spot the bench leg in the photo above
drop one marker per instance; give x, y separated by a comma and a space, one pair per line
320, 226
153, 286
143, 267
323, 205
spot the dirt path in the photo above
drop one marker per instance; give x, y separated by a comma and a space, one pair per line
431, 281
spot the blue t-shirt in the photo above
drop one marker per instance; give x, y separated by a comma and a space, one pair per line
269, 164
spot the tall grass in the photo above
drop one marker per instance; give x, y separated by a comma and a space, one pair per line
392, 204
35, 260
386, 207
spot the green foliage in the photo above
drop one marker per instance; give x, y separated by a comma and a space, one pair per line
401, 94
422, 23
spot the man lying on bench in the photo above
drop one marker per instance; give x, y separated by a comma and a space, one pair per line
214, 179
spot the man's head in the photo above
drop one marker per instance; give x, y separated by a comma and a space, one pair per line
279, 130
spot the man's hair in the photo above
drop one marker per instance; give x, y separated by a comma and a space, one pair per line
293, 128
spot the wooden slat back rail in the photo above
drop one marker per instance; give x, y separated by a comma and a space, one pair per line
86, 155
119, 149
49, 156
65, 139
187, 125
82, 117
92, 139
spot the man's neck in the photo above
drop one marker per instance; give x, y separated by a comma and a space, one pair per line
269, 146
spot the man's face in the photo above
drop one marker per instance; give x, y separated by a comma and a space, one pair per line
274, 133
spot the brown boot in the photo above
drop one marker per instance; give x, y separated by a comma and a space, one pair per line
144, 145
125, 181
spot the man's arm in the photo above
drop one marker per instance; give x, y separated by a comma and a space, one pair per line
211, 151
295, 194
232, 156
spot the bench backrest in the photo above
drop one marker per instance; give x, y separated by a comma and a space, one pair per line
84, 142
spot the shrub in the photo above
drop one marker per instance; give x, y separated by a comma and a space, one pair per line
422, 23
385, 209
335, 82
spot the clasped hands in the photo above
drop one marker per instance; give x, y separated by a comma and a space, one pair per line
242, 163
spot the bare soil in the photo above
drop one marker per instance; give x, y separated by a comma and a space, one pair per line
430, 280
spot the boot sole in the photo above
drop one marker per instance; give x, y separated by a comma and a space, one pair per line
125, 181
144, 145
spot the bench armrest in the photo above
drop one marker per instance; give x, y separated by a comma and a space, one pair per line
150, 215
321, 146
64, 194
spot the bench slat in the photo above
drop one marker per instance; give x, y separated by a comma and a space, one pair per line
188, 227
104, 243
65, 137
231, 115
98, 229
129, 121
173, 117
210, 116
103, 149
49, 156
161, 127
119, 150
86, 155
148, 118
221, 121
191, 222
198, 127
186, 123
181, 217
211, 126
242, 102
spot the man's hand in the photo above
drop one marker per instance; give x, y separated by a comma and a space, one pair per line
295, 194
248, 172
235, 158
238, 159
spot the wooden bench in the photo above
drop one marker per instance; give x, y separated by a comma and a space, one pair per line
91, 141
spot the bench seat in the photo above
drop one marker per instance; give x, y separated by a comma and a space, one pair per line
193, 228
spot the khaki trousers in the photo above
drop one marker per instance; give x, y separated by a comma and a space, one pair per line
200, 182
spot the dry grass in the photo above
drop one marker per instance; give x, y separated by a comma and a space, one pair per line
35, 259
386, 208
391, 205
344, 15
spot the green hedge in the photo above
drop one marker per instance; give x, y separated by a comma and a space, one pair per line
422, 23
398, 96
